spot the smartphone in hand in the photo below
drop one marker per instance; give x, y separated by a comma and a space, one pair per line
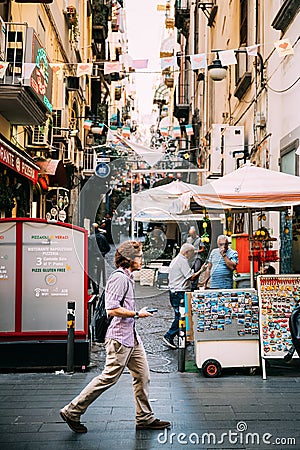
151, 310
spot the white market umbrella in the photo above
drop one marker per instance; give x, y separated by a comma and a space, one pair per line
172, 198
250, 187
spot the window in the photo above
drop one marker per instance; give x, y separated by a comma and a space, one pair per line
243, 23
289, 160
242, 74
286, 14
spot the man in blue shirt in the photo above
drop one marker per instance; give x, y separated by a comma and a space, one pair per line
222, 262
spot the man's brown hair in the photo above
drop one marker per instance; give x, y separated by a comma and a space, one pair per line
126, 252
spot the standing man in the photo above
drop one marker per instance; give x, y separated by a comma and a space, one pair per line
222, 262
180, 274
195, 240
124, 347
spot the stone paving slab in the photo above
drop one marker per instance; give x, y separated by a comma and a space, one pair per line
198, 408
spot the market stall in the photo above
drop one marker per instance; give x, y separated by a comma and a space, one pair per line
225, 329
249, 189
278, 296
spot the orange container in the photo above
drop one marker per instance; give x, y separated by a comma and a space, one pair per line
240, 243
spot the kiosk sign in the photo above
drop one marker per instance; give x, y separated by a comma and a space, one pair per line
42, 267
53, 273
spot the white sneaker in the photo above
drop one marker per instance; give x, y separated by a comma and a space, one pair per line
169, 343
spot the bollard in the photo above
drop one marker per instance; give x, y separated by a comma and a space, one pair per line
70, 341
181, 337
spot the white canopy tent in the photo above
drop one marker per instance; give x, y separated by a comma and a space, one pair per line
169, 202
250, 187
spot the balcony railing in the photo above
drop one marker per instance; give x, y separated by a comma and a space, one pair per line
89, 161
183, 4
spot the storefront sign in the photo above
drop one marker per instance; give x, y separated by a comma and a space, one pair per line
40, 79
17, 163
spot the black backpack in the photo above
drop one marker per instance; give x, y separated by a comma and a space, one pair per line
101, 321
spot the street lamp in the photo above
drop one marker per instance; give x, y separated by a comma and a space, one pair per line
217, 72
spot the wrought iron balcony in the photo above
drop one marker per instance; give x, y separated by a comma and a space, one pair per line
182, 15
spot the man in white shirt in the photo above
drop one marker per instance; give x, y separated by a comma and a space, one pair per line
180, 275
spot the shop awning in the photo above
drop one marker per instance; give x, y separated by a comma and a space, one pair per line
56, 171
21, 163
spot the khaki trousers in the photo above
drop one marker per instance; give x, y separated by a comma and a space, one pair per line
117, 358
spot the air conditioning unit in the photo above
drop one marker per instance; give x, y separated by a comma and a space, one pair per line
226, 145
234, 147
41, 135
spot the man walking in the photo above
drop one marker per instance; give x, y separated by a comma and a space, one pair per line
124, 347
222, 262
180, 274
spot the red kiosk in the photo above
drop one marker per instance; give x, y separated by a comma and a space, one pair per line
43, 265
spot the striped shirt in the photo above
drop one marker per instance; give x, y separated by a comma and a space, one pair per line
121, 329
221, 275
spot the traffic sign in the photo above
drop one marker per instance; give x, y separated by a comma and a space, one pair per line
102, 170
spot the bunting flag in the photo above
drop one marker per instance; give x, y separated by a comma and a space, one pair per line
189, 130
198, 61
176, 132
126, 131
168, 62
58, 69
164, 131
150, 155
126, 60
84, 69
227, 57
111, 67
140, 63
27, 70
3, 67
284, 47
111, 136
252, 50
87, 124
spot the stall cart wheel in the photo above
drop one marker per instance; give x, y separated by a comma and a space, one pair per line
211, 368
